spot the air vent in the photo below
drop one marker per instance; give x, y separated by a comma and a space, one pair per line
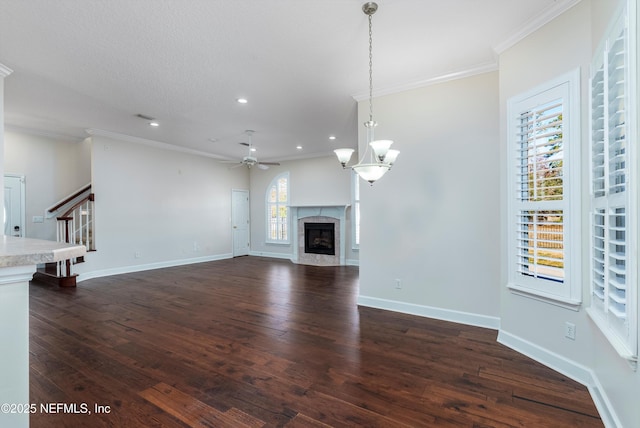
145, 117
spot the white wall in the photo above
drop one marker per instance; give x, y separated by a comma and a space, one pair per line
433, 221
535, 327
157, 207
317, 181
53, 169
3, 73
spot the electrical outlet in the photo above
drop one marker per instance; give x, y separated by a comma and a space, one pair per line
398, 283
570, 330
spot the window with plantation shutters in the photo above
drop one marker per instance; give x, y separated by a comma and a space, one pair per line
277, 203
614, 288
543, 206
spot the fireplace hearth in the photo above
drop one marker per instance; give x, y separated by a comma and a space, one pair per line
319, 238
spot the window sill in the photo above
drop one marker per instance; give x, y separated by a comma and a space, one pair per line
571, 304
621, 348
277, 243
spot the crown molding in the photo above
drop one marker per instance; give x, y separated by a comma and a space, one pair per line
5, 71
535, 24
152, 143
461, 74
558, 8
47, 134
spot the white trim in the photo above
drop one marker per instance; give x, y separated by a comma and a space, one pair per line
5, 71
352, 262
454, 75
66, 138
574, 305
150, 266
460, 317
152, 143
569, 368
282, 256
560, 7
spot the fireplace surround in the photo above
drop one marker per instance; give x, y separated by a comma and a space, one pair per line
328, 214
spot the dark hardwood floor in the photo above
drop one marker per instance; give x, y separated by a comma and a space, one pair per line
262, 342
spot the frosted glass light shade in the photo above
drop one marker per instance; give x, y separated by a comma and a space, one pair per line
391, 156
343, 155
380, 148
371, 171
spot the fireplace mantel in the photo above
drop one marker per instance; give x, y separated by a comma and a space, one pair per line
338, 212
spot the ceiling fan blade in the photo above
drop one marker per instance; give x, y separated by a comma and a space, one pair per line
269, 163
263, 166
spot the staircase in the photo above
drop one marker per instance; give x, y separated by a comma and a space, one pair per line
75, 226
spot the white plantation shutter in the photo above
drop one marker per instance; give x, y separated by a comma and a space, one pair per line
540, 153
540, 244
613, 286
539, 178
543, 137
277, 204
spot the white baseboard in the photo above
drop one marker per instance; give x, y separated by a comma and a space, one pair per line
431, 312
272, 255
150, 266
348, 262
569, 368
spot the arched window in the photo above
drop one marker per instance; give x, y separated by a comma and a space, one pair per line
278, 209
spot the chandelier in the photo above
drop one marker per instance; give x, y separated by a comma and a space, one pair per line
381, 158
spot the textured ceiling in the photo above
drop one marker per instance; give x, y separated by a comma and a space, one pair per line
95, 64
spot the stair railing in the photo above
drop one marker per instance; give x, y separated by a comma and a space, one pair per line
76, 225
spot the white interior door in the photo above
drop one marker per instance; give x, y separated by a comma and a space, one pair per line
14, 205
240, 222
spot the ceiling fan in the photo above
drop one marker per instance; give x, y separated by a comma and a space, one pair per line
250, 160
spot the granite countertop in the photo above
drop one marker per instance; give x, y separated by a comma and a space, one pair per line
26, 251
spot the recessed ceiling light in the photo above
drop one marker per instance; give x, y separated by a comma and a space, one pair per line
253, 149
213, 140
299, 147
332, 137
242, 100
154, 124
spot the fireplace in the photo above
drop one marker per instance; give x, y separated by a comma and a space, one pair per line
319, 238
332, 217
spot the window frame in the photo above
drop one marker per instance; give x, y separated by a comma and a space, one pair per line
620, 330
566, 293
278, 204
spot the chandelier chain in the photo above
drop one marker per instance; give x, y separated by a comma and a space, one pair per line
370, 71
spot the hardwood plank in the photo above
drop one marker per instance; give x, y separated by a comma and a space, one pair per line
194, 412
262, 342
